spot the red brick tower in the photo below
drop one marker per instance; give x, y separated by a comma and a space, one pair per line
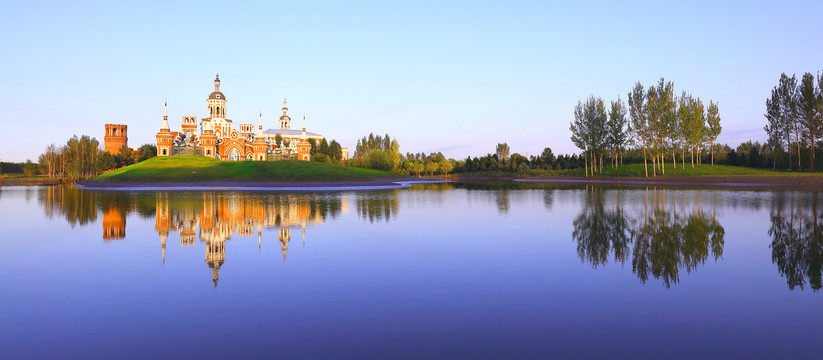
115, 138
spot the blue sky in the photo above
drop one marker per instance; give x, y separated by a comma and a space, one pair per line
450, 76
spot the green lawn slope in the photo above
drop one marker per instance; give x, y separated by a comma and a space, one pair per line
201, 168
637, 170
698, 170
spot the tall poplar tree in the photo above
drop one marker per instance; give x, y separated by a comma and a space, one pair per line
808, 112
639, 123
594, 112
692, 120
502, 152
774, 128
668, 119
616, 130
788, 111
713, 121
653, 125
580, 133
661, 106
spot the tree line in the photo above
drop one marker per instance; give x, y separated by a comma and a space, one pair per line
376, 152
422, 164
502, 160
326, 152
794, 118
81, 158
659, 123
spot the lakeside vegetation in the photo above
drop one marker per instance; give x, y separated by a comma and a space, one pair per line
661, 124
794, 121
675, 134
638, 169
201, 168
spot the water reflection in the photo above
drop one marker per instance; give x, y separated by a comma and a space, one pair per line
662, 232
213, 218
377, 205
661, 240
797, 239
77, 206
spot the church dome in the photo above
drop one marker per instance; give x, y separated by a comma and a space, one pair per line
217, 95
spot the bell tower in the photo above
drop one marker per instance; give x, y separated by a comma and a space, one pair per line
285, 120
217, 101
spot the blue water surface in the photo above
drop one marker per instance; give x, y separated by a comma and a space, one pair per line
464, 270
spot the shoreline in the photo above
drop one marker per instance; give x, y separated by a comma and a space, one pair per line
697, 181
32, 181
244, 185
741, 182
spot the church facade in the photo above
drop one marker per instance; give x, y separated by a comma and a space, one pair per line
218, 138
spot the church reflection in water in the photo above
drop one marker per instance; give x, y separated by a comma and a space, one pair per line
211, 218
220, 215
666, 232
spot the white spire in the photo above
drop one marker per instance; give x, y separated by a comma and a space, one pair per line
165, 125
304, 125
260, 128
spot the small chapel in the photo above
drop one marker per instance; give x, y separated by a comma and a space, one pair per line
218, 138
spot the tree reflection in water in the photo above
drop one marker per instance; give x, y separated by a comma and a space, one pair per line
661, 241
797, 241
79, 207
377, 205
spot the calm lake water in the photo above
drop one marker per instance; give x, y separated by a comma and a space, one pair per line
464, 270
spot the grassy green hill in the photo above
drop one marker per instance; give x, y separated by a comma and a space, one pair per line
201, 168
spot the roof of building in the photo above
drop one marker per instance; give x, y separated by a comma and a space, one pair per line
217, 95
289, 132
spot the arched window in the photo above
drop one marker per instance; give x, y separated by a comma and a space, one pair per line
234, 155
211, 111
